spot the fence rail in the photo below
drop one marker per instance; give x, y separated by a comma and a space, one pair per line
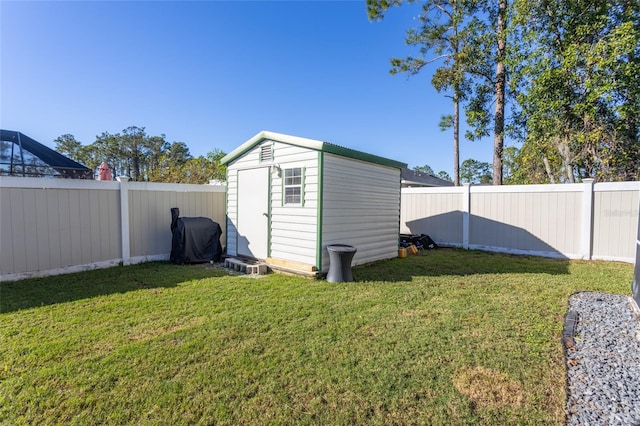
575, 221
51, 226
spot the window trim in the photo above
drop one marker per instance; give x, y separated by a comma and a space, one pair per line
300, 185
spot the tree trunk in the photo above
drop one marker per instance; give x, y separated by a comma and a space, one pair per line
566, 156
456, 140
136, 169
456, 100
498, 130
547, 167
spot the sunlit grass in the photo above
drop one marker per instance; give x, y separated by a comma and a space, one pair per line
445, 337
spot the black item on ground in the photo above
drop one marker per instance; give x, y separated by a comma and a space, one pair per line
340, 257
421, 241
195, 239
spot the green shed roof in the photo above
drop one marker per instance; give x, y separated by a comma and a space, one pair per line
311, 144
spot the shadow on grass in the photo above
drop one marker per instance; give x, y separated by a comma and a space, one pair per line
457, 262
35, 292
38, 292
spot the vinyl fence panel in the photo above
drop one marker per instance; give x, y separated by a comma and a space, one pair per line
437, 212
615, 214
52, 226
576, 221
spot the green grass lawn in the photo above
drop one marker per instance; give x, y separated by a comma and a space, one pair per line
445, 337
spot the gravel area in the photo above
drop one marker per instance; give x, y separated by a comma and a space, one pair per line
603, 360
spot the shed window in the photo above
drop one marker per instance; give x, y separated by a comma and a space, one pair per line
293, 186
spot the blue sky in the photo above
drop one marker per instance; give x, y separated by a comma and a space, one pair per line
212, 74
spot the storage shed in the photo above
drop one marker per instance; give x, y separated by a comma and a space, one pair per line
288, 198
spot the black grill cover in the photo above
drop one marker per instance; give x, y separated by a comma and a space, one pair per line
195, 239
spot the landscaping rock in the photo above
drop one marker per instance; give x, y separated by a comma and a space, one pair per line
603, 366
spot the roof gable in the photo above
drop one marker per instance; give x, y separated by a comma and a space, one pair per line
310, 144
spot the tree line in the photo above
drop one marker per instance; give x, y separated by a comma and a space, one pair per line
143, 157
561, 78
471, 171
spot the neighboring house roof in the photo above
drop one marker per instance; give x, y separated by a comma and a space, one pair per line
311, 144
413, 178
45, 158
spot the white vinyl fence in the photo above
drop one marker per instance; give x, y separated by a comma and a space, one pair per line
52, 226
575, 221
635, 287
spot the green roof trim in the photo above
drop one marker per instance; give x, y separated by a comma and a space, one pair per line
311, 144
319, 214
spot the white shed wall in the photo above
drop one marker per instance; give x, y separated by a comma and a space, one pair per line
360, 207
293, 229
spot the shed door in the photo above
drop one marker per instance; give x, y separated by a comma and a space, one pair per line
253, 212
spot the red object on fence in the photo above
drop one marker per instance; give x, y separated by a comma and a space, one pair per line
104, 173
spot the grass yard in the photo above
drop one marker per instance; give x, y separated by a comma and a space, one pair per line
445, 337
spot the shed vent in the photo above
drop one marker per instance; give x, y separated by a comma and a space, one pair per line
266, 153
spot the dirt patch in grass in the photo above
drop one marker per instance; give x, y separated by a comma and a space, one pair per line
488, 388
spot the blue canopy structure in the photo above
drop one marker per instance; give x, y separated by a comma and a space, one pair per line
23, 156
